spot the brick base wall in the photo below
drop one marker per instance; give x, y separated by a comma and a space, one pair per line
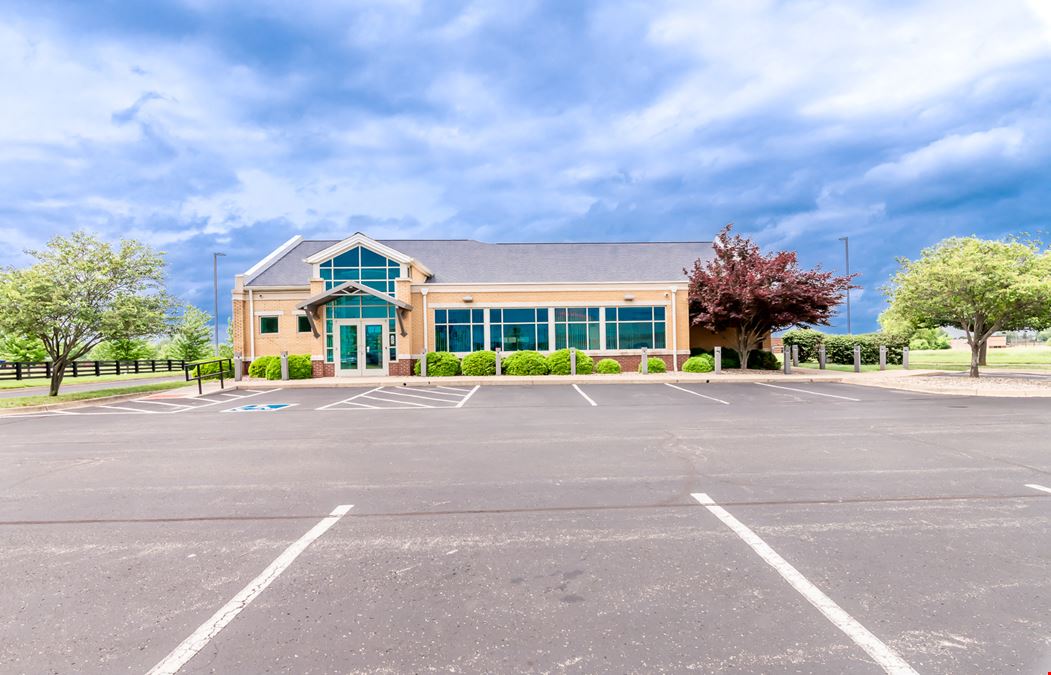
322, 369
401, 367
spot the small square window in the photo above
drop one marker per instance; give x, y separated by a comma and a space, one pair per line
268, 324
302, 324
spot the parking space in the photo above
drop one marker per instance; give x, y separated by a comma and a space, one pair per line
522, 528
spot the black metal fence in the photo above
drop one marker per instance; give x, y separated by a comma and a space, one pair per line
27, 370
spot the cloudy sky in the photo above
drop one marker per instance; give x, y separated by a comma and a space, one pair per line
230, 125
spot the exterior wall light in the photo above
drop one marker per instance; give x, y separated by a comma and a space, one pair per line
629, 296
468, 298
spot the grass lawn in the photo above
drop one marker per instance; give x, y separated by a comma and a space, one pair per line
88, 379
1022, 358
23, 401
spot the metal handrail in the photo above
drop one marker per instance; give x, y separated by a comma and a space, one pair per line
221, 372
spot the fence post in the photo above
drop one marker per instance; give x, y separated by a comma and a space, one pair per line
883, 357
645, 363
718, 360
905, 358
238, 366
97, 369
857, 358
795, 355
74, 369
47, 368
136, 367
572, 361
786, 357
153, 365
117, 362
284, 365
498, 369
821, 356
18, 371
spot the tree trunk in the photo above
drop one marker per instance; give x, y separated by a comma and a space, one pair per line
744, 348
976, 350
58, 371
982, 355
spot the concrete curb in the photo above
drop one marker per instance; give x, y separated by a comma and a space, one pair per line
62, 405
507, 380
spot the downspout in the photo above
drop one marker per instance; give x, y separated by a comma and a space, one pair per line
674, 330
426, 331
251, 325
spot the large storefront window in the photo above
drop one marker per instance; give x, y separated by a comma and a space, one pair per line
577, 327
372, 270
635, 327
516, 329
459, 330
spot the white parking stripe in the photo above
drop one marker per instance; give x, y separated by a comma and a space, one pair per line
460, 404
455, 396
387, 400
138, 410
174, 405
689, 391
198, 407
1038, 487
586, 397
463, 391
400, 392
347, 400
210, 628
804, 391
886, 657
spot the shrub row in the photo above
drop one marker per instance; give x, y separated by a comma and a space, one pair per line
840, 348
758, 359
269, 367
483, 363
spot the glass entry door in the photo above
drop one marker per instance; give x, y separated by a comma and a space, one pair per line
359, 348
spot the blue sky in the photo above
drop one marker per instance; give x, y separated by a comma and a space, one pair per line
230, 125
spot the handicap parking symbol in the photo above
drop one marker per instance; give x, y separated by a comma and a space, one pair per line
260, 407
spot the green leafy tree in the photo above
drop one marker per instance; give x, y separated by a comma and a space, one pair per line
192, 336
22, 348
123, 349
82, 291
892, 323
981, 286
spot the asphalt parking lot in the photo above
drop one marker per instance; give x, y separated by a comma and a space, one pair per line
811, 528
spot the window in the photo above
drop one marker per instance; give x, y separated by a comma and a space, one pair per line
302, 324
517, 329
577, 327
372, 270
635, 327
459, 330
268, 324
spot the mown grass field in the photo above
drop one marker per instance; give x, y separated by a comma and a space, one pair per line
23, 401
88, 379
1017, 358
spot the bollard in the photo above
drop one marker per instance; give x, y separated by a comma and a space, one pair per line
718, 360
284, 365
497, 351
645, 363
795, 355
883, 357
904, 358
423, 366
821, 356
857, 358
238, 366
786, 358
573, 361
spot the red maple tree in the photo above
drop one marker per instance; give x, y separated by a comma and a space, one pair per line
753, 294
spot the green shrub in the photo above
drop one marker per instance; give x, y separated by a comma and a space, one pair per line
558, 363
704, 363
273, 369
806, 339
655, 365
300, 367
840, 348
760, 359
477, 364
929, 338
607, 367
439, 364
525, 362
258, 367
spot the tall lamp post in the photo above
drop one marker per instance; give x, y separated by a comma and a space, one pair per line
215, 287
846, 256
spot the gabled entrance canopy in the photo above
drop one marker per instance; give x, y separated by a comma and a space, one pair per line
315, 302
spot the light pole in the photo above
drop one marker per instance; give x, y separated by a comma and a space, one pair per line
215, 287
846, 256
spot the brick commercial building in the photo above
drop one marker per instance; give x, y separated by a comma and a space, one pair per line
367, 307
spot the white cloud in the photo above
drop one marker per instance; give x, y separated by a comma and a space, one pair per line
951, 153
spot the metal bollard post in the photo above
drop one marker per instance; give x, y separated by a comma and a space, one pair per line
786, 357
795, 355
857, 358
238, 366
423, 366
821, 356
645, 363
498, 371
718, 360
284, 365
905, 358
572, 361
883, 357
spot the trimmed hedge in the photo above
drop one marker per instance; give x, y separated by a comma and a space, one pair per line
840, 348
525, 362
259, 366
654, 365
299, 367
807, 340
478, 364
607, 367
758, 359
558, 363
439, 364
704, 363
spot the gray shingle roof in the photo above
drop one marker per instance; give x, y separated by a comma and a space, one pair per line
469, 261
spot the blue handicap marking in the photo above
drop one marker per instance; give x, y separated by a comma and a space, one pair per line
259, 407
